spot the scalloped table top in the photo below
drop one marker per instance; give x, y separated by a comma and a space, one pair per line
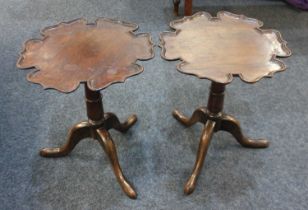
218, 48
100, 54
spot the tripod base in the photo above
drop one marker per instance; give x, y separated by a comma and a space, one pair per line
214, 120
97, 127
213, 124
99, 132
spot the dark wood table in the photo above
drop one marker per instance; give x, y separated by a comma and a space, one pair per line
96, 55
219, 48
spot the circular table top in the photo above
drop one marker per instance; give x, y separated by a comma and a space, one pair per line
218, 48
100, 54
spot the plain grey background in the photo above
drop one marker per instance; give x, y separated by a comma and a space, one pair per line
157, 154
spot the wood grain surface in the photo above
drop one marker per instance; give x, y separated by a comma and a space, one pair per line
100, 54
218, 48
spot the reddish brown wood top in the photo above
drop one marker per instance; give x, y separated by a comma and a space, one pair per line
100, 54
218, 48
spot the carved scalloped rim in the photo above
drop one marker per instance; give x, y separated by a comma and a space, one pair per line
45, 87
211, 18
77, 84
83, 20
24, 49
151, 43
121, 80
282, 42
231, 76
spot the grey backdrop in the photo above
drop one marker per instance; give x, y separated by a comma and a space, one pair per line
157, 154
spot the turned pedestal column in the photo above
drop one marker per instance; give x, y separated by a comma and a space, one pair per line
96, 55
217, 49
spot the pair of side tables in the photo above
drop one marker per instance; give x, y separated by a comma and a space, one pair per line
104, 53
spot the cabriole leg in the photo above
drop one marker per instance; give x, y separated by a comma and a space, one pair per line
199, 115
231, 125
76, 134
203, 147
106, 142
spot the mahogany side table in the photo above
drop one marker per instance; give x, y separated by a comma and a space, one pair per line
218, 48
97, 55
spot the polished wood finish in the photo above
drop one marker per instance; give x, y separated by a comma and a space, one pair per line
106, 142
176, 4
218, 48
97, 55
97, 127
214, 120
202, 150
216, 98
100, 54
187, 7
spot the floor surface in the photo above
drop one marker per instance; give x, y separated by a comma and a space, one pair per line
157, 154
